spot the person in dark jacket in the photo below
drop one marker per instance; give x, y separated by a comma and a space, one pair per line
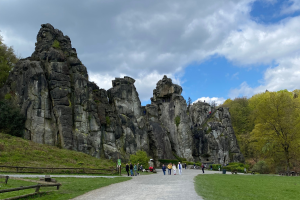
131, 169
127, 169
164, 169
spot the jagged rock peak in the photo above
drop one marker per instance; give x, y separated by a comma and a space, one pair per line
166, 90
53, 45
121, 81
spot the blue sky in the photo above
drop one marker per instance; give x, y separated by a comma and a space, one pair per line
213, 49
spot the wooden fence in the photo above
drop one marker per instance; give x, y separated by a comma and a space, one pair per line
37, 190
18, 169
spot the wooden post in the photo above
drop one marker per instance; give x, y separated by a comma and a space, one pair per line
37, 189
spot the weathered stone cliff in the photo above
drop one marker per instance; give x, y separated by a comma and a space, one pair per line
63, 108
214, 138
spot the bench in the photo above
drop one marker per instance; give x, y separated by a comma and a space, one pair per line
233, 172
6, 179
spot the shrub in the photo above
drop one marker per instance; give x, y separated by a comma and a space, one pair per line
56, 44
140, 157
7, 96
11, 121
177, 120
107, 120
261, 167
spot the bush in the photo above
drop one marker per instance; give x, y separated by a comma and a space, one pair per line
7, 96
140, 157
177, 120
56, 44
239, 167
261, 167
11, 121
107, 120
216, 167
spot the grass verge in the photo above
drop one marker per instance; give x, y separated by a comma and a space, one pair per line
15, 151
71, 187
231, 187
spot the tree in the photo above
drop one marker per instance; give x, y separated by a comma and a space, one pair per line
7, 61
140, 157
189, 103
11, 121
277, 124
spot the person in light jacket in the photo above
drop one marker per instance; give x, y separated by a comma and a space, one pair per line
174, 169
179, 168
135, 169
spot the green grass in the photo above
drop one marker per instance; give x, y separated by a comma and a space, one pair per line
71, 187
231, 187
15, 151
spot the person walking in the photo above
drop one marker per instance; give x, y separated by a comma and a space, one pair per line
127, 169
138, 168
169, 168
164, 169
131, 169
179, 168
202, 166
141, 168
210, 167
174, 169
135, 170
184, 165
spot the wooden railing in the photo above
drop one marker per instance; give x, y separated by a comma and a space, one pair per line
37, 190
68, 170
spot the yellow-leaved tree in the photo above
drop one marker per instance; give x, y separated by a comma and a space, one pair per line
277, 124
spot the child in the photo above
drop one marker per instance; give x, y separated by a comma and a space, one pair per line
174, 169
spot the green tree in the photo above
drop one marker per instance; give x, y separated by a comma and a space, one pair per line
277, 123
140, 157
242, 122
11, 121
7, 61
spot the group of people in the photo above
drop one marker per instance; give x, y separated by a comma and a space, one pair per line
134, 169
170, 167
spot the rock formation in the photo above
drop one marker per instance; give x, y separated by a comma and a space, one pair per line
63, 108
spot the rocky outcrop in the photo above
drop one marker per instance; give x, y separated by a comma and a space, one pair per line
63, 108
213, 136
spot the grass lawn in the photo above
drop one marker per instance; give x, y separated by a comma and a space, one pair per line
222, 187
71, 187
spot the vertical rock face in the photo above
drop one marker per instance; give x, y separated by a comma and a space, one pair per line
63, 108
170, 105
214, 138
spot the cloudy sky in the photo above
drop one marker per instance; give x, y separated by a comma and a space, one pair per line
214, 49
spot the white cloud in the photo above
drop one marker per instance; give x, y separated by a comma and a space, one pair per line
286, 75
259, 44
146, 40
218, 100
291, 7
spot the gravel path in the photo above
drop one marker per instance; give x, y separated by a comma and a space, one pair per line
155, 186
57, 176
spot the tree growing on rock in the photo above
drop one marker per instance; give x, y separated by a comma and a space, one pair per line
189, 103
